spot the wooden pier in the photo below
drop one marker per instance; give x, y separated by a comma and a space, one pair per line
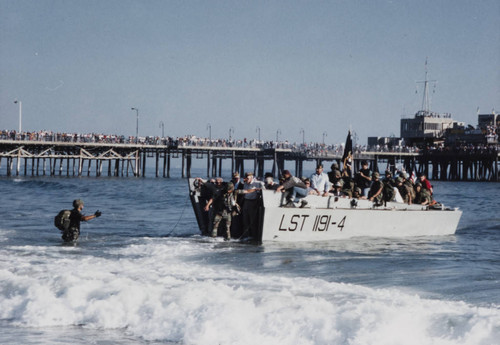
40, 158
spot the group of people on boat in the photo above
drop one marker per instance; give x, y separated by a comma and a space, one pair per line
364, 185
370, 185
237, 202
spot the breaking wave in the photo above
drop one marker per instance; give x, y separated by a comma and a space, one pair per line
160, 290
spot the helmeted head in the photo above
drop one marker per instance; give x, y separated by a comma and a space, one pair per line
77, 203
375, 175
230, 187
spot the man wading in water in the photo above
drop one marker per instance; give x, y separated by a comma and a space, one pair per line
72, 232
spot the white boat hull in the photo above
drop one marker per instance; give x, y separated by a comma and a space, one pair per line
330, 218
333, 218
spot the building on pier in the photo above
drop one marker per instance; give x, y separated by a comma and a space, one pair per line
427, 127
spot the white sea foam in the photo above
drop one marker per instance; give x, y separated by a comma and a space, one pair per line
164, 290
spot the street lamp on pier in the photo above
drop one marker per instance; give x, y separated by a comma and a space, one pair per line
136, 125
231, 131
162, 126
324, 135
278, 132
258, 131
209, 128
303, 136
20, 114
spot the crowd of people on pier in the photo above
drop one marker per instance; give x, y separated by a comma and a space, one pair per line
312, 148
237, 201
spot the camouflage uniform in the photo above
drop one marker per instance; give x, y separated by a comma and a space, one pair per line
375, 187
423, 196
225, 207
405, 190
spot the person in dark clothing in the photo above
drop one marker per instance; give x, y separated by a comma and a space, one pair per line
251, 205
364, 178
389, 184
236, 223
76, 216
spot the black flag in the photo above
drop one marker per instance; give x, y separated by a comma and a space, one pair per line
347, 156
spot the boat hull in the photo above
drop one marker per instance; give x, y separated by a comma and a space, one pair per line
330, 218
334, 218
298, 224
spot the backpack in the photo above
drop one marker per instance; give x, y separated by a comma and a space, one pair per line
61, 221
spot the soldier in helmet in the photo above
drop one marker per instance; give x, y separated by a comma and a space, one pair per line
389, 184
423, 195
404, 190
76, 216
335, 174
225, 207
375, 193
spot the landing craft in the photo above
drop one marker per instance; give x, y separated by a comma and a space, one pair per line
332, 218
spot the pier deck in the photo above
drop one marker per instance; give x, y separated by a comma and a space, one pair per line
81, 158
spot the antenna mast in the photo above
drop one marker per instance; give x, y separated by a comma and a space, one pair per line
426, 102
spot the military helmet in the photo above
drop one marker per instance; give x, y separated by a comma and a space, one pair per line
230, 186
77, 203
399, 180
375, 174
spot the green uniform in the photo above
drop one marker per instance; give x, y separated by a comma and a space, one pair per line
422, 196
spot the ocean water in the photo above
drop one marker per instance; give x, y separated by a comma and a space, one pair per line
141, 274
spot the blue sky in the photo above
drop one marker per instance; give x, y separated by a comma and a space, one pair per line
320, 66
